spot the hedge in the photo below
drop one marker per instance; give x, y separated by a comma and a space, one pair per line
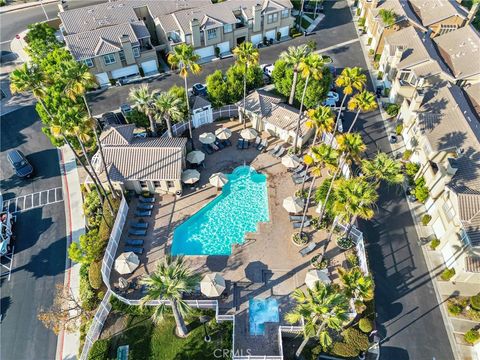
343, 349
95, 275
356, 338
447, 274
472, 336
99, 350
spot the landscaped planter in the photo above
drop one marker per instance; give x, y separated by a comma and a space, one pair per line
345, 243
300, 239
318, 263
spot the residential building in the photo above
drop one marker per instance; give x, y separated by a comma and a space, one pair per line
444, 135
473, 95
152, 164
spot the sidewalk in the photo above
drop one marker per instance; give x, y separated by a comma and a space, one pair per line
8, 8
68, 343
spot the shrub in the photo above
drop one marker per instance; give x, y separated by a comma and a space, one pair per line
392, 109
300, 239
426, 219
365, 325
407, 154
361, 22
475, 302
411, 169
141, 71
279, 35
87, 294
377, 57
434, 244
100, 295
421, 190
99, 350
447, 274
352, 259
312, 45
380, 75
95, 275
120, 307
454, 309
371, 52
319, 265
345, 243
369, 42
345, 350
472, 336
356, 338
399, 129
217, 51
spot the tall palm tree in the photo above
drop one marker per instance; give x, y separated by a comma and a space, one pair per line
352, 146
382, 168
143, 101
169, 108
364, 101
294, 56
183, 57
170, 281
322, 308
356, 285
247, 55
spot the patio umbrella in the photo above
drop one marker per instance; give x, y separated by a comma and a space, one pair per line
195, 157
190, 176
249, 134
212, 285
293, 204
218, 179
290, 161
126, 263
223, 133
316, 275
207, 138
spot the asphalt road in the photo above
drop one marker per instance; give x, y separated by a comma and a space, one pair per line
40, 244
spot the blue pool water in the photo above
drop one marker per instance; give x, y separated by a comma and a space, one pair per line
225, 220
261, 312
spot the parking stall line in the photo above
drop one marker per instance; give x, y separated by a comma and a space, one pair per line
34, 200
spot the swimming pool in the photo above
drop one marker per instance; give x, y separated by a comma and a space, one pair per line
225, 220
261, 312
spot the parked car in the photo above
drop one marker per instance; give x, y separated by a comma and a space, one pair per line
199, 89
268, 69
125, 109
19, 163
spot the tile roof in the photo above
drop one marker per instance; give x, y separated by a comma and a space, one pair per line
472, 263
199, 102
396, 5
458, 49
131, 158
432, 11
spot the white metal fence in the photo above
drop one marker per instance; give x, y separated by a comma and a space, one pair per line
357, 236
177, 129
225, 111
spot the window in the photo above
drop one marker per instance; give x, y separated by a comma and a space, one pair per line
211, 34
404, 76
188, 39
136, 51
88, 62
156, 184
170, 184
122, 55
143, 184
271, 18
285, 13
464, 237
228, 28
446, 28
109, 59
449, 210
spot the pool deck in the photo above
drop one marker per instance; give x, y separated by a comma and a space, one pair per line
268, 260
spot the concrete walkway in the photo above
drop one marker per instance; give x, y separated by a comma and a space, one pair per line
9, 8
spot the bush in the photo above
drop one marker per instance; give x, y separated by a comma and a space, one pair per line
369, 42
407, 154
356, 338
447, 274
120, 307
345, 350
87, 294
217, 51
434, 244
345, 243
377, 57
100, 295
411, 169
475, 302
472, 336
352, 259
392, 109
399, 129
371, 52
454, 309
99, 350
426, 219
95, 275
300, 239
421, 190
365, 325
142, 73
279, 35
380, 75
361, 22
319, 265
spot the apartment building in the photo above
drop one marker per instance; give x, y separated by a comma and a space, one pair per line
444, 135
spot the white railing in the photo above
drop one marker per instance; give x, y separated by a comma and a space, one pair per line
225, 111
357, 237
177, 129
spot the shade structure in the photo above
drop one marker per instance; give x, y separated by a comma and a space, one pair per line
212, 285
223, 133
290, 161
126, 263
249, 134
218, 179
313, 276
207, 138
293, 204
190, 176
195, 157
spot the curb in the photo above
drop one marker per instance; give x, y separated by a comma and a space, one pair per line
10, 8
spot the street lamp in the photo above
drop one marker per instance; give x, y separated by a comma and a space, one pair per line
204, 320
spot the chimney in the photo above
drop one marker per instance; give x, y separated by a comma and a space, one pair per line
127, 49
417, 100
195, 28
471, 13
452, 167
257, 18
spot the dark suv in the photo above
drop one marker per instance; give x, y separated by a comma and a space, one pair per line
20, 164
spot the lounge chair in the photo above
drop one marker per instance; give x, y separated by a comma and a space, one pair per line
145, 207
298, 217
298, 225
213, 147
143, 213
280, 152
308, 249
275, 149
219, 144
227, 142
139, 225
299, 175
258, 140
137, 232
299, 169
240, 143
263, 145
146, 200
136, 250
299, 180
207, 149
134, 242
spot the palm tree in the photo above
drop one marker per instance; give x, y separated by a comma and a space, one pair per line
382, 168
169, 108
183, 57
311, 66
356, 285
322, 308
294, 56
388, 16
364, 101
352, 146
170, 281
143, 101
247, 55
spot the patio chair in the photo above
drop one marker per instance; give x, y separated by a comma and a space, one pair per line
145, 207
134, 242
143, 213
280, 152
227, 142
246, 144
263, 145
134, 249
308, 249
275, 149
139, 225
207, 149
298, 225
299, 175
219, 144
213, 147
299, 180
240, 143
137, 232
146, 200
298, 217
258, 140
299, 169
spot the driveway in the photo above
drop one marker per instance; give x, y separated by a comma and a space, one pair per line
40, 244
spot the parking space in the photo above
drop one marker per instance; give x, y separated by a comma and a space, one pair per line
31, 201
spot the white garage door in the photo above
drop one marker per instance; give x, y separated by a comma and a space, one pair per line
438, 228
224, 47
126, 71
205, 52
284, 31
102, 78
256, 39
270, 34
150, 67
